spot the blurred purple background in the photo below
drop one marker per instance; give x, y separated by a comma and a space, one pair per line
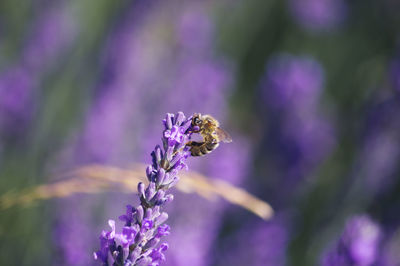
309, 91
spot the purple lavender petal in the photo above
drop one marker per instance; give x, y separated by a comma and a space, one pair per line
161, 218
163, 230
147, 224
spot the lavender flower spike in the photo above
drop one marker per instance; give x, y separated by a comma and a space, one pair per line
358, 244
138, 243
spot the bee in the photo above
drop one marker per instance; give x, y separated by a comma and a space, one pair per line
212, 134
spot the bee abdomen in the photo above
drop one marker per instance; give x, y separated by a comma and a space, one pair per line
200, 149
211, 146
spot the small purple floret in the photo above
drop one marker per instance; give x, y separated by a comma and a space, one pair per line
157, 255
163, 230
128, 217
147, 225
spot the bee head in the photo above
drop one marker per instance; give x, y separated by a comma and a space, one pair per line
196, 120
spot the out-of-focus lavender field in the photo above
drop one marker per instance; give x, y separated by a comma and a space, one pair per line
308, 89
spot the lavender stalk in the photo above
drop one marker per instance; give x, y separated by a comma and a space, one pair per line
138, 243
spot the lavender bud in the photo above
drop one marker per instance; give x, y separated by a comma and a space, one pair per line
165, 179
169, 177
170, 152
157, 197
168, 121
148, 214
136, 253
180, 117
149, 172
176, 159
165, 144
161, 218
139, 214
156, 212
186, 125
141, 189
168, 198
139, 237
144, 261
150, 190
160, 176
148, 234
125, 253
158, 153
152, 243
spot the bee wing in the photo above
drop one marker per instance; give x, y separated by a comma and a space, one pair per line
223, 135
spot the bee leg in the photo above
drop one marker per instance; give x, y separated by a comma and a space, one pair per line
196, 148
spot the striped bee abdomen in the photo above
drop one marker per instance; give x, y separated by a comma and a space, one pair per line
202, 148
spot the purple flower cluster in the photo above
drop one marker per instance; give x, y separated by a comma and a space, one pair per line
137, 243
257, 243
390, 255
318, 15
294, 81
15, 98
51, 35
292, 87
358, 244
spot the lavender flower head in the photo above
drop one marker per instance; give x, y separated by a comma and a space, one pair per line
390, 255
318, 15
256, 244
15, 98
358, 244
295, 81
137, 244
